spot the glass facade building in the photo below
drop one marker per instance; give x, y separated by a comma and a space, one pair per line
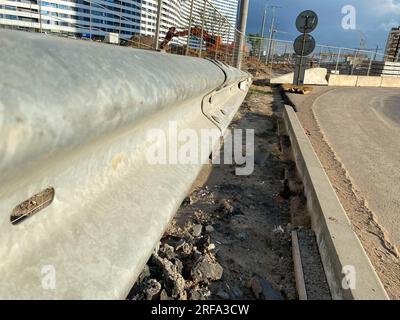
95, 18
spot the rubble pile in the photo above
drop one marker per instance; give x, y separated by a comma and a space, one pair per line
182, 268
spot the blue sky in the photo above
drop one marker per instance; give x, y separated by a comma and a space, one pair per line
373, 17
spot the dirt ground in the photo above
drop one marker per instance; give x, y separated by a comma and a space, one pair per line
231, 238
372, 235
243, 220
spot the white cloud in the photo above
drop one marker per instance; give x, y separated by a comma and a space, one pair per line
387, 26
387, 6
379, 15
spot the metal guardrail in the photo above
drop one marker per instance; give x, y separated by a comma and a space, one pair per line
73, 123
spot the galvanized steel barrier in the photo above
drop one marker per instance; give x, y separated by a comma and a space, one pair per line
73, 123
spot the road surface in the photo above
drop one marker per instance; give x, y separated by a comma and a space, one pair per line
362, 125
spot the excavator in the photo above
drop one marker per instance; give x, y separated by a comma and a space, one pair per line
213, 43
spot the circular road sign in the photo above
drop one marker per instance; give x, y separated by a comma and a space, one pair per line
307, 21
309, 45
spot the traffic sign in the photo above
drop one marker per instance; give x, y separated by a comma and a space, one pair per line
304, 45
307, 21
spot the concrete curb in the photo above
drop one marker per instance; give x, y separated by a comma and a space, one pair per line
344, 259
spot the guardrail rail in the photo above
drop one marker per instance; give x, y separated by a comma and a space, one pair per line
73, 122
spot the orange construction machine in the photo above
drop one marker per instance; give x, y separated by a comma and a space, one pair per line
213, 43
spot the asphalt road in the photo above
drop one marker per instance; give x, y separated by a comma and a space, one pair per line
362, 125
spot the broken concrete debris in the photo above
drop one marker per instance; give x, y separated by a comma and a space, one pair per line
263, 290
181, 269
197, 229
206, 268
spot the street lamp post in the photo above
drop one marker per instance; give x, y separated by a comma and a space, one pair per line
271, 32
262, 33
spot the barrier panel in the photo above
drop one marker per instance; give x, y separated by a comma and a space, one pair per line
363, 81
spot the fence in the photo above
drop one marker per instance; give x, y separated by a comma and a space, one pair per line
280, 56
186, 27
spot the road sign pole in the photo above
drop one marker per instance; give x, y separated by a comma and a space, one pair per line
299, 74
304, 45
302, 55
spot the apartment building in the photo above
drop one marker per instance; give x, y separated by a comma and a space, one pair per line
87, 18
95, 18
229, 9
393, 45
